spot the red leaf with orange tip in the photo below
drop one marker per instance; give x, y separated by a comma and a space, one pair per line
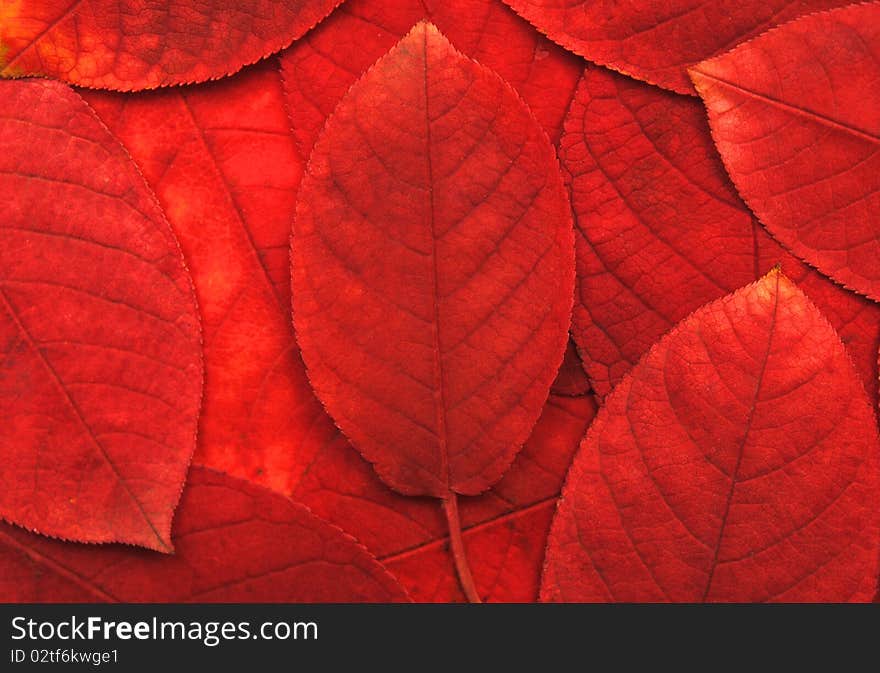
794, 114
436, 361
737, 462
320, 68
661, 231
132, 44
657, 41
99, 335
234, 542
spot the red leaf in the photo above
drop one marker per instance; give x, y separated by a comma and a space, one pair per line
738, 462
223, 164
431, 269
656, 42
661, 230
234, 542
288, 442
99, 335
131, 44
321, 67
794, 114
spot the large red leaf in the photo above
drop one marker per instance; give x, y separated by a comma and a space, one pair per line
321, 67
100, 364
795, 114
432, 269
738, 462
657, 41
661, 231
288, 442
133, 44
234, 542
222, 161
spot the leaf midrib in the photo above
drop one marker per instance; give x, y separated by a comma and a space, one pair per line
794, 109
749, 420
79, 416
440, 394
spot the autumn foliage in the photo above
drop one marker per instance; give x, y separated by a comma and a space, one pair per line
436, 301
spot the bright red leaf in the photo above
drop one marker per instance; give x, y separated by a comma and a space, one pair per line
661, 231
794, 114
321, 67
737, 462
656, 41
431, 269
234, 542
133, 44
99, 335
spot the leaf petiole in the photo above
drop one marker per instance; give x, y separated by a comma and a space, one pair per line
450, 507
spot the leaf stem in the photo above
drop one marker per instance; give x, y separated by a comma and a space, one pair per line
450, 507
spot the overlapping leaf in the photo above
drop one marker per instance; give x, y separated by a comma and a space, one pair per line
737, 462
234, 542
431, 269
661, 230
794, 114
99, 337
657, 41
132, 44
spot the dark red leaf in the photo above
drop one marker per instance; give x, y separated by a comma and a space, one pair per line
321, 67
661, 231
571, 379
432, 269
234, 542
657, 41
794, 114
99, 335
737, 462
132, 44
